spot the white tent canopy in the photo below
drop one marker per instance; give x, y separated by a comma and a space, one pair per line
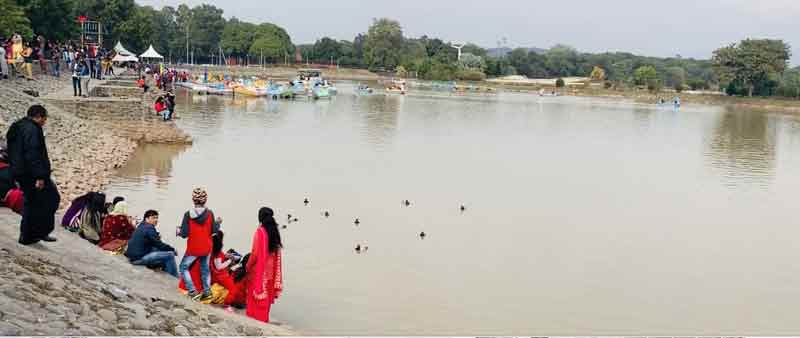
121, 49
124, 58
151, 53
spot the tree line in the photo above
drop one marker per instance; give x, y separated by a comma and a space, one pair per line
750, 67
168, 29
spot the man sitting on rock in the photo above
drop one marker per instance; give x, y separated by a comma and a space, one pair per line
146, 248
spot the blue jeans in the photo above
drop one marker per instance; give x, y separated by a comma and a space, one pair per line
205, 273
165, 258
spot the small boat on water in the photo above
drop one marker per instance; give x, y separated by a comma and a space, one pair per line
219, 89
321, 92
194, 87
250, 91
396, 87
363, 90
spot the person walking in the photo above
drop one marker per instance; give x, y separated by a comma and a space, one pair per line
55, 56
264, 267
27, 55
146, 248
40, 54
197, 226
3, 63
30, 167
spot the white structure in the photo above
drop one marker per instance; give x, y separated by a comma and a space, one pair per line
151, 53
458, 46
123, 55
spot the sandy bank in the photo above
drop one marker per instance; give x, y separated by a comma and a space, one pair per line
72, 288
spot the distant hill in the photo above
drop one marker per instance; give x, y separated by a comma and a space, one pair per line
503, 51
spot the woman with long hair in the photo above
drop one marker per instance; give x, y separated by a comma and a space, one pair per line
264, 267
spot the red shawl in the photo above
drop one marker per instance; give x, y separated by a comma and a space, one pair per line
265, 277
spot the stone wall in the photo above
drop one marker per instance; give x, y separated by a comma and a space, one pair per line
107, 90
131, 118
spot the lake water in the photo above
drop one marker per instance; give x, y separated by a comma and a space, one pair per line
582, 215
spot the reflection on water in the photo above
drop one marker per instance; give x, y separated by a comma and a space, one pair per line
743, 147
152, 160
583, 215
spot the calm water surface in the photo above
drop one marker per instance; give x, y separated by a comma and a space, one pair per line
583, 215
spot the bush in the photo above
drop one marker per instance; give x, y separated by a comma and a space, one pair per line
654, 86
560, 83
470, 75
697, 84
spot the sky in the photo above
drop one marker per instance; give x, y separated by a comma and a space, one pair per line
690, 28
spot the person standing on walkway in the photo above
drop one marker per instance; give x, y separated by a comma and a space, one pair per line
197, 226
30, 167
264, 267
77, 69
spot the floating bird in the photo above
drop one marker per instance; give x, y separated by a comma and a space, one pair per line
305, 201
327, 214
407, 203
357, 222
366, 248
422, 235
295, 219
284, 226
463, 208
358, 248
289, 217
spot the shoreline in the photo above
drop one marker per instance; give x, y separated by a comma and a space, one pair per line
75, 287
758, 104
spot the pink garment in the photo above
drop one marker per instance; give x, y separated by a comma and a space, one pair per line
265, 277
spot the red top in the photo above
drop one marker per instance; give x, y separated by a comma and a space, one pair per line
199, 243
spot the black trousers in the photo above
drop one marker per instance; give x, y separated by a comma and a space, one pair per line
39, 212
76, 86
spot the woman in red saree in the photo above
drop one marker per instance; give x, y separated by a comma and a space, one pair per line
264, 267
117, 228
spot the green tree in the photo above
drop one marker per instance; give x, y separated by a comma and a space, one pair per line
273, 42
50, 18
751, 63
675, 77
206, 26
383, 44
598, 74
561, 60
474, 50
110, 13
14, 20
237, 37
327, 50
645, 76
472, 61
790, 84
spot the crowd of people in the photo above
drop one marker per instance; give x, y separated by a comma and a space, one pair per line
87, 61
206, 273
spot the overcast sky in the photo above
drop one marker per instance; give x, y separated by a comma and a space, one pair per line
691, 28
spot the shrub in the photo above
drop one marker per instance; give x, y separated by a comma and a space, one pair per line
560, 83
470, 75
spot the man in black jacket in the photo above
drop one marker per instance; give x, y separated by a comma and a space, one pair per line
30, 167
